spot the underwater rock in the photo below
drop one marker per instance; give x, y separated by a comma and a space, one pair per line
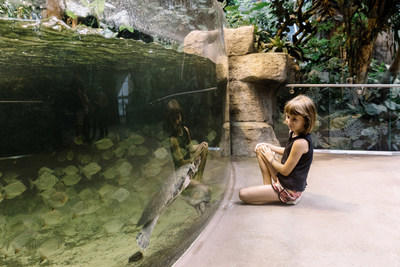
71, 179
141, 151
32, 222
60, 186
22, 240
86, 207
70, 155
1, 174
132, 150
104, 144
52, 218
61, 157
69, 230
119, 152
107, 155
44, 170
136, 257
47, 193
110, 173
84, 158
91, 169
50, 247
58, 171
136, 139
123, 180
107, 190
1, 197
57, 199
45, 181
71, 192
161, 153
120, 195
87, 194
71, 169
13, 190
125, 168
10, 177
113, 226
152, 168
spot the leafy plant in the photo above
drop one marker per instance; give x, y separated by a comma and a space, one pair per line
128, 28
20, 11
71, 14
97, 6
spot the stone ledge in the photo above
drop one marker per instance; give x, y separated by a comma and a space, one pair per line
245, 102
239, 41
245, 136
259, 67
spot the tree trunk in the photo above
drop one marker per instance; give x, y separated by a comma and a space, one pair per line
53, 8
364, 57
394, 69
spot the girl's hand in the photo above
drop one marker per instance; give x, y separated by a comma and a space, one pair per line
266, 151
259, 146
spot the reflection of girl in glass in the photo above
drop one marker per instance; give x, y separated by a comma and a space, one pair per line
182, 148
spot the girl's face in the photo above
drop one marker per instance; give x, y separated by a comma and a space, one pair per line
295, 123
178, 121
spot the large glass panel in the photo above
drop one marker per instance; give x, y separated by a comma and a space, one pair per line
349, 118
101, 136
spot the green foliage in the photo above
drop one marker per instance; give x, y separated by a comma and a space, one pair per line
71, 14
97, 6
123, 27
14, 10
248, 13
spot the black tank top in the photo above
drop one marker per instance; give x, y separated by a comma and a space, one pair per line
297, 179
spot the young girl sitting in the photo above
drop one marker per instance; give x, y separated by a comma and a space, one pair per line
286, 180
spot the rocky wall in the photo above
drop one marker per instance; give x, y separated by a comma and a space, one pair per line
253, 80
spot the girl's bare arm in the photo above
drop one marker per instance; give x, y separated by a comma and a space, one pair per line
274, 148
299, 147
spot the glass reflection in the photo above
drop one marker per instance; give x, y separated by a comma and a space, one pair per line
352, 118
84, 149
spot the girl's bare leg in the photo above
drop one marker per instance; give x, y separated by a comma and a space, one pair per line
268, 172
257, 195
203, 158
261, 194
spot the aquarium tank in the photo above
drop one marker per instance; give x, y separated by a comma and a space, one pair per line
112, 140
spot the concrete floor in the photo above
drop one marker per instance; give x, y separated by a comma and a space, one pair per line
349, 216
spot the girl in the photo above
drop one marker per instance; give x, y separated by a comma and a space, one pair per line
286, 180
183, 151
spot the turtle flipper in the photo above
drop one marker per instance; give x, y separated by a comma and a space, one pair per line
143, 237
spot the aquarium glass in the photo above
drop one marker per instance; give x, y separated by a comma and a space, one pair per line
92, 151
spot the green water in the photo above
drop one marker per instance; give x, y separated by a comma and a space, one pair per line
74, 186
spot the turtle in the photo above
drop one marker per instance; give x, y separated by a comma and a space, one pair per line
170, 190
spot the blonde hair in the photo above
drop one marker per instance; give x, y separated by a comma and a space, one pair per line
303, 105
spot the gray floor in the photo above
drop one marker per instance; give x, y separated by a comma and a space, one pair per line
349, 216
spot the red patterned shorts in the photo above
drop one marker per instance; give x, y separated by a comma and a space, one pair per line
285, 195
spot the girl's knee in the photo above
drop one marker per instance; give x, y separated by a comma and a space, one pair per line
243, 195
